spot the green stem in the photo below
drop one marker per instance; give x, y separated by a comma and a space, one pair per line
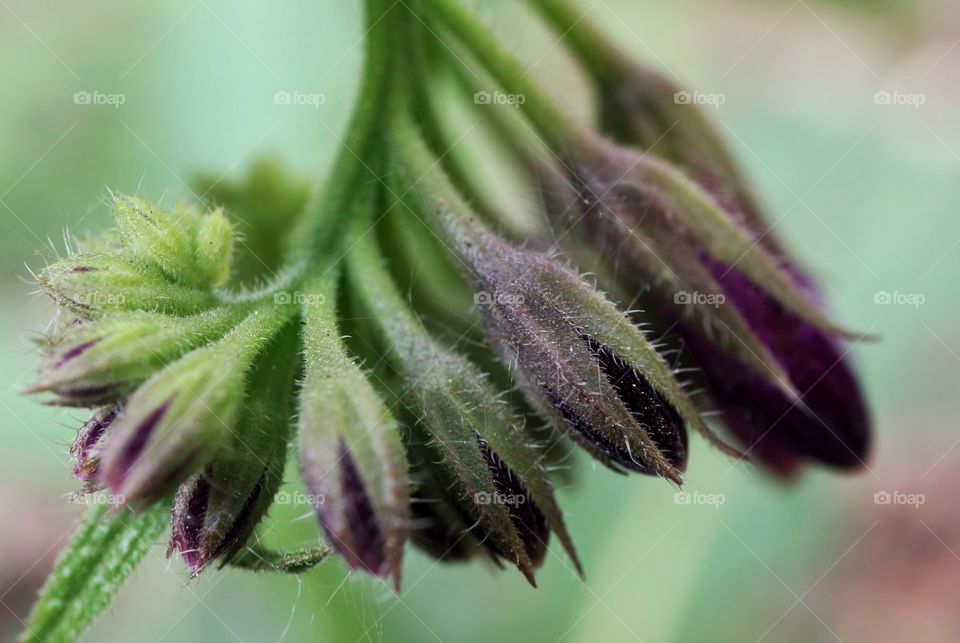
378, 292
594, 49
323, 216
257, 558
551, 121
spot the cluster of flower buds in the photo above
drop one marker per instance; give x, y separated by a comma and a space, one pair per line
684, 237
192, 391
199, 386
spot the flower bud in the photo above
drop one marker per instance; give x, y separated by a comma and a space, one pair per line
350, 451
160, 236
829, 423
115, 354
86, 447
178, 419
436, 526
215, 249
190, 247
217, 509
619, 186
680, 238
497, 482
91, 285
477, 441
579, 360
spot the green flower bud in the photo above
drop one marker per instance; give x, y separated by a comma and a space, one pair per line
91, 285
215, 249
178, 419
115, 354
160, 236
190, 247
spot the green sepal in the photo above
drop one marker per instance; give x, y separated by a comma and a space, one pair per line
94, 284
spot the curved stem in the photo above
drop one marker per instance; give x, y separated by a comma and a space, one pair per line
594, 49
388, 308
323, 215
550, 120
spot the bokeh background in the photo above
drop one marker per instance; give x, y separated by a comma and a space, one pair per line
865, 192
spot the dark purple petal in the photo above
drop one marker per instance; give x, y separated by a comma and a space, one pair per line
831, 425
529, 521
659, 418
190, 513
89, 437
135, 445
74, 352
362, 542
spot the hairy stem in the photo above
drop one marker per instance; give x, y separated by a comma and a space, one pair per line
551, 121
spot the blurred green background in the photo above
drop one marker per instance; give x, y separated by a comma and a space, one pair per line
865, 192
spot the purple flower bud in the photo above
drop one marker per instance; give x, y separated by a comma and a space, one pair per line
179, 418
106, 359
85, 449
829, 423
217, 509
356, 532
579, 360
351, 456
210, 521
529, 521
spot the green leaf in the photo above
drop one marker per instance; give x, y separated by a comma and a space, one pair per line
104, 552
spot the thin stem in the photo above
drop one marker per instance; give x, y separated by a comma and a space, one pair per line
594, 49
551, 121
257, 558
323, 215
372, 282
